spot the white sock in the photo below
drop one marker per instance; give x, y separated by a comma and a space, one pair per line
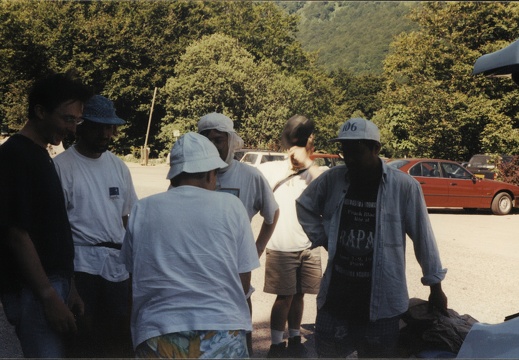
276, 336
293, 332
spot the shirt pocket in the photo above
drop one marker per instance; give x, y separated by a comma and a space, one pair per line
392, 230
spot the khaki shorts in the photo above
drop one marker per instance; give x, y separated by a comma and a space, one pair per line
290, 273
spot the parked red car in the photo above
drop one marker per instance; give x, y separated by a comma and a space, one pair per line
447, 184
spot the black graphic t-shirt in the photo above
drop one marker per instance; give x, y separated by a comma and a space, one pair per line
350, 288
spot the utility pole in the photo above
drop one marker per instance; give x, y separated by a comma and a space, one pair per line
144, 152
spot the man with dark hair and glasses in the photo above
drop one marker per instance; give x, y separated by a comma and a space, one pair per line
361, 213
36, 248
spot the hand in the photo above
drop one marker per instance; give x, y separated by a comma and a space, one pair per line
75, 303
58, 315
299, 157
438, 299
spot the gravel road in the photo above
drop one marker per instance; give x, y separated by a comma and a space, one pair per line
480, 251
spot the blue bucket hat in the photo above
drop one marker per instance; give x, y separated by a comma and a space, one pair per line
101, 110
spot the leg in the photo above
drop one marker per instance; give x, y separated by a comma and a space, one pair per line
113, 319
85, 343
380, 339
295, 348
280, 312
295, 314
26, 313
332, 338
280, 279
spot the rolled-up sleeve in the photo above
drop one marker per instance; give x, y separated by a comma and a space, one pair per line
420, 231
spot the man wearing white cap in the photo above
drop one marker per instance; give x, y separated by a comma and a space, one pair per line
361, 213
242, 180
191, 252
99, 194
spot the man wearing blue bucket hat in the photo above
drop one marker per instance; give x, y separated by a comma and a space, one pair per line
99, 194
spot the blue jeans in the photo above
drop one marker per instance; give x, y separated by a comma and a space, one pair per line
336, 338
24, 311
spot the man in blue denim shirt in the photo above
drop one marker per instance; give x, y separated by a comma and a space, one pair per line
361, 213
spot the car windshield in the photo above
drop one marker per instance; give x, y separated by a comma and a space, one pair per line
397, 164
249, 158
479, 160
267, 158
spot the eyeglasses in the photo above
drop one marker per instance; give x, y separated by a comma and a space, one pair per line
69, 119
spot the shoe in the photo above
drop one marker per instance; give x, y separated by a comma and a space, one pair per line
295, 348
277, 351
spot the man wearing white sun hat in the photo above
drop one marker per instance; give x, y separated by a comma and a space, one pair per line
191, 252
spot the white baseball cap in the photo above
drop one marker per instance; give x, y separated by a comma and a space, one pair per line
216, 121
358, 129
193, 153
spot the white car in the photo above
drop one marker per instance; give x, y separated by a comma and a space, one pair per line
254, 158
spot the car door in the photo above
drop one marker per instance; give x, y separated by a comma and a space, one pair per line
464, 190
434, 187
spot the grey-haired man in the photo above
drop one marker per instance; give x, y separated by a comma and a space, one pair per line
361, 213
99, 194
191, 252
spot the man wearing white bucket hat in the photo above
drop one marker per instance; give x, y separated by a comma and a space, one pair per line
361, 213
191, 252
99, 194
242, 180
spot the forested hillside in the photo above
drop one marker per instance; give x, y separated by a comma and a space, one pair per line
351, 35
255, 62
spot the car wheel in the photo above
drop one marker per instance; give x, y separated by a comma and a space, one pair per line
502, 204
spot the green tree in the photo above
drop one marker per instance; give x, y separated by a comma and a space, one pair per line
431, 104
125, 49
217, 74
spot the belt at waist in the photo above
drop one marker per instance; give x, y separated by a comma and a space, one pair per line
110, 245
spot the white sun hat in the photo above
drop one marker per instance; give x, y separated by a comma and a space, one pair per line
193, 153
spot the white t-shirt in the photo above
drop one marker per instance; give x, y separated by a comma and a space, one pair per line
288, 235
185, 249
98, 193
251, 187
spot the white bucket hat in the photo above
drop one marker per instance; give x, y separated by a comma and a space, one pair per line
193, 153
222, 123
358, 129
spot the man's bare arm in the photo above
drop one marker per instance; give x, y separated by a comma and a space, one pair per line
56, 311
265, 234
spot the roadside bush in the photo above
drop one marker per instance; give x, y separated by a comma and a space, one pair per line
509, 171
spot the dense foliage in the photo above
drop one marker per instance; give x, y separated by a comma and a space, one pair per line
352, 35
432, 105
250, 60
125, 49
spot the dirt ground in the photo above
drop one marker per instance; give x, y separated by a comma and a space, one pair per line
480, 251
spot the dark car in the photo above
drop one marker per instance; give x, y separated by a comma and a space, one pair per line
485, 166
447, 184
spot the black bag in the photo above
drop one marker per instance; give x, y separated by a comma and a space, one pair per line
431, 330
